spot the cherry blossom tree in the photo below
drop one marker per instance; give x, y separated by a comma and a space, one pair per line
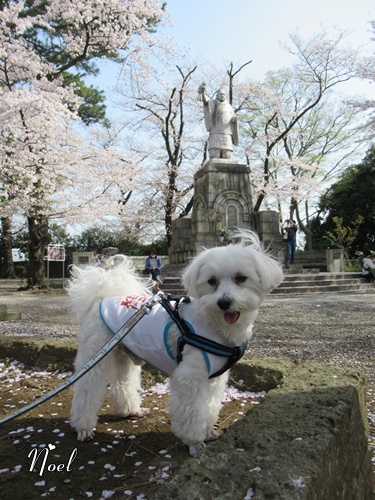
298, 134
42, 154
367, 73
165, 114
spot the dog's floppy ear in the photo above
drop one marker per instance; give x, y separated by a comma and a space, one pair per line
190, 275
269, 270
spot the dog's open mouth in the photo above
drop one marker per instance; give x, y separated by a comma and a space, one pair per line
231, 317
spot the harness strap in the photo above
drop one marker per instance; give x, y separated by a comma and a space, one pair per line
188, 337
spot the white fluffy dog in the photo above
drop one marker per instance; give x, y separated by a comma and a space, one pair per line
226, 285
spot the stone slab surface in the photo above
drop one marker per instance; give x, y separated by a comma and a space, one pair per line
307, 440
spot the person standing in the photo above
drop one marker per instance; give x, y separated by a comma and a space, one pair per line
290, 229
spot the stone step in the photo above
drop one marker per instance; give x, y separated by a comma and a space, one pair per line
295, 279
172, 285
299, 278
320, 276
173, 270
300, 271
299, 283
324, 282
340, 288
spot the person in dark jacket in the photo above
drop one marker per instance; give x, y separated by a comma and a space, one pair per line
290, 229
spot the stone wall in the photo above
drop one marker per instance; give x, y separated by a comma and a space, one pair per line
335, 260
181, 248
267, 225
84, 258
326, 260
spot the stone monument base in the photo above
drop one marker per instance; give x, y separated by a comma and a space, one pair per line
222, 201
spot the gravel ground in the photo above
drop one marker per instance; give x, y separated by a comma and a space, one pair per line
334, 328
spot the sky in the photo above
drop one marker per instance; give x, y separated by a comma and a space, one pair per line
237, 31
221, 31
241, 30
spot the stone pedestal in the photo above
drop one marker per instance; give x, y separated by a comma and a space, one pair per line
222, 198
335, 260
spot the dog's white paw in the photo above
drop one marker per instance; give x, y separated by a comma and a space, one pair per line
212, 435
85, 434
142, 412
195, 448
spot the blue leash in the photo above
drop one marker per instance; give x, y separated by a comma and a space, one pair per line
116, 339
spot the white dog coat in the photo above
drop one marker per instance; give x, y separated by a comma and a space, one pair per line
148, 339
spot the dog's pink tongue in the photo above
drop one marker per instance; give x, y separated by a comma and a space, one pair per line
231, 317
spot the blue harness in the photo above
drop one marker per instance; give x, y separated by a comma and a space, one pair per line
233, 354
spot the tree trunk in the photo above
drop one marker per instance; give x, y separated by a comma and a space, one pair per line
169, 204
304, 227
38, 227
309, 245
7, 270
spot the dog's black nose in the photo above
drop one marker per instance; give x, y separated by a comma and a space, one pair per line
224, 303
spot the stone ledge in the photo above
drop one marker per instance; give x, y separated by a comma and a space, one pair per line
5, 316
255, 373
54, 354
39, 353
10, 316
307, 440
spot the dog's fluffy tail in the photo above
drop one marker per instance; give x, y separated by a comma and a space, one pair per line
90, 284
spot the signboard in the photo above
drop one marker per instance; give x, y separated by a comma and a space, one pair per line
56, 253
18, 256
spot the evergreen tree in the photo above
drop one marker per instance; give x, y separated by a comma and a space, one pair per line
350, 197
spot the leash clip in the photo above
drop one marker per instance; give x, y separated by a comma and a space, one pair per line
155, 299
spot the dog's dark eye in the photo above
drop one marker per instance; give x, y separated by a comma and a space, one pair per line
239, 278
213, 282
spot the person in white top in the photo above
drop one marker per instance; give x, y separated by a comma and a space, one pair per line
368, 267
154, 265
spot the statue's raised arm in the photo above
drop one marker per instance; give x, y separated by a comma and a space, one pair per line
202, 93
221, 123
